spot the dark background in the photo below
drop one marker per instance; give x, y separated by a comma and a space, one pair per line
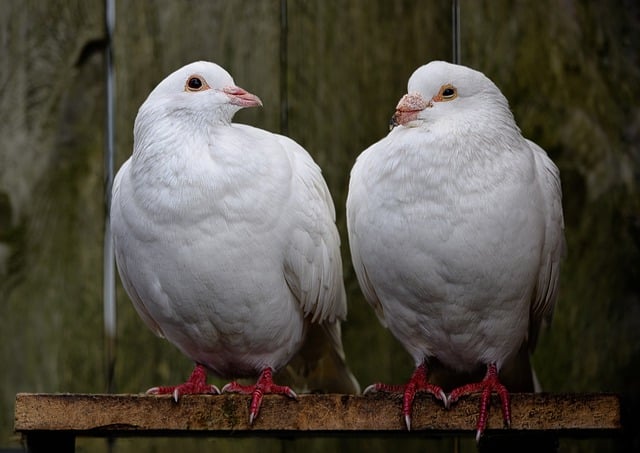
569, 69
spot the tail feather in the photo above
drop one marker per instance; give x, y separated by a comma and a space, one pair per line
320, 365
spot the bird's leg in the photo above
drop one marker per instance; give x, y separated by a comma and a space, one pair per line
417, 383
264, 385
196, 384
490, 383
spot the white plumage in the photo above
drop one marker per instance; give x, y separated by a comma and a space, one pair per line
224, 235
456, 231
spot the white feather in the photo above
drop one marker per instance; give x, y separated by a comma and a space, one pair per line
455, 225
224, 233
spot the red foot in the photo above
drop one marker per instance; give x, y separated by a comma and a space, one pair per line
417, 383
196, 384
490, 383
264, 385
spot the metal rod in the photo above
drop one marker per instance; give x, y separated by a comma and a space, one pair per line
455, 26
284, 63
109, 282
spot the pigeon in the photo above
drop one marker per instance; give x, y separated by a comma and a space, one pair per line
226, 243
456, 234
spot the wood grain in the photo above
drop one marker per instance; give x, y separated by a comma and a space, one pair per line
379, 414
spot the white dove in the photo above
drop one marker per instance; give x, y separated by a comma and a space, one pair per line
225, 238
456, 234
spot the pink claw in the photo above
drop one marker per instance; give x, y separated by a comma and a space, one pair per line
490, 383
196, 384
417, 383
263, 386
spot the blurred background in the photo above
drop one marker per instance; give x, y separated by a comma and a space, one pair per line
330, 74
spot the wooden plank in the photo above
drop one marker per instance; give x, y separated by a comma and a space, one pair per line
379, 414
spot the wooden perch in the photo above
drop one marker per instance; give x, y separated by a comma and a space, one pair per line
41, 418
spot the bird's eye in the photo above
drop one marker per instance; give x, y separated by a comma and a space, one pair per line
195, 83
447, 93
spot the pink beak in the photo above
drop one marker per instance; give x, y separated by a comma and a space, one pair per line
241, 97
408, 108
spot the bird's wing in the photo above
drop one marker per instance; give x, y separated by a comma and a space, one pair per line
313, 264
554, 247
355, 192
120, 248
364, 281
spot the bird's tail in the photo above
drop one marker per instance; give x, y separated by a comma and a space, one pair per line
537, 387
320, 365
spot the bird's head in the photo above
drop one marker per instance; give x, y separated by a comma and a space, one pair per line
440, 90
201, 89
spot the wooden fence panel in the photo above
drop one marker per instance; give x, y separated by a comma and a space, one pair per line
569, 69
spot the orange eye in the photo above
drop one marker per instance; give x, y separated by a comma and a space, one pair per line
447, 93
196, 83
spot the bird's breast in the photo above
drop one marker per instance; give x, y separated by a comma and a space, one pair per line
211, 182
445, 228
